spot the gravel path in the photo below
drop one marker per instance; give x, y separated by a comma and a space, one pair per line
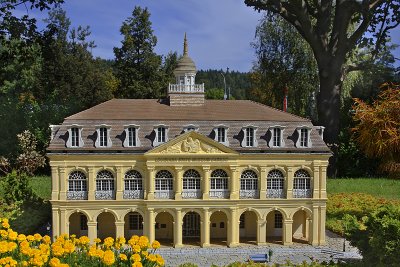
297, 253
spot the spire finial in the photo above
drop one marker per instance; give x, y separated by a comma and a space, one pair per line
185, 46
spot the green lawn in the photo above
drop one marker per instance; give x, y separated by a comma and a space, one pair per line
41, 185
378, 187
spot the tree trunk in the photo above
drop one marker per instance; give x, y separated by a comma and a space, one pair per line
328, 106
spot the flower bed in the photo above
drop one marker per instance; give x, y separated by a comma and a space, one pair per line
36, 250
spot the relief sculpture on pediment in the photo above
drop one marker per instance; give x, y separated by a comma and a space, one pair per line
191, 145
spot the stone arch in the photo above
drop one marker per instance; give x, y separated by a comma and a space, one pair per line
140, 211
78, 168
167, 168
169, 211
250, 168
116, 217
248, 225
110, 169
198, 211
307, 210
300, 226
284, 213
219, 222
164, 228
224, 168
77, 223
280, 168
196, 168
222, 210
275, 218
191, 227
133, 223
70, 212
306, 168
106, 226
259, 215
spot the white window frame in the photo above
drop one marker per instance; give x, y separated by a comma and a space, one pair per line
109, 142
216, 129
69, 143
126, 129
156, 128
308, 130
190, 127
321, 130
244, 141
273, 137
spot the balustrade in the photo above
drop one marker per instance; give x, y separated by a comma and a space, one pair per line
133, 194
249, 194
105, 194
191, 193
302, 193
164, 194
219, 193
77, 195
276, 193
184, 88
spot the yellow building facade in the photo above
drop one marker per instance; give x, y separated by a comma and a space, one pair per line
189, 170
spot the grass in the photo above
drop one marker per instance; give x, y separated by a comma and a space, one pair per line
41, 186
378, 187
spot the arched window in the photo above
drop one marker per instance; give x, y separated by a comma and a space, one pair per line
164, 181
133, 185
248, 180
191, 179
275, 184
77, 185
219, 180
133, 180
301, 184
104, 181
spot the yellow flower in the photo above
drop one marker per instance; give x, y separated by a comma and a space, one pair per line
69, 246
97, 240
37, 237
54, 262
46, 239
84, 240
108, 242
145, 253
137, 264
136, 248
30, 238
136, 258
12, 235
5, 223
57, 249
108, 258
123, 257
155, 244
21, 237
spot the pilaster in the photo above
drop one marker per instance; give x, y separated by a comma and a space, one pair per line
63, 184
64, 225
322, 220
322, 181
55, 216
119, 184
289, 184
205, 229
233, 229
261, 232
316, 178
119, 225
92, 230
55, 178
262, 181
178, 229
234, 183
315, 226
92, 184
151, 222
178, 182
206, 182
287, 232
151, 182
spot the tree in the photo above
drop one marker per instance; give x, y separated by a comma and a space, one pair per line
378, 128
137, 66
284, 60
334, 29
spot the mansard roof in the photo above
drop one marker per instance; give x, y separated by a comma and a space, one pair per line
212, 110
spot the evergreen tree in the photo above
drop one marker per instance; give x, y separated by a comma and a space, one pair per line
137, 66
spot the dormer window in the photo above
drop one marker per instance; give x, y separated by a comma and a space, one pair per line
161, 134
276, 136
220, 132
75, 136
103, 136
249, 139
131, 136
190, 127
303, 139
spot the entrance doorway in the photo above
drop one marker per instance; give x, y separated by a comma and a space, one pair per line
191, 228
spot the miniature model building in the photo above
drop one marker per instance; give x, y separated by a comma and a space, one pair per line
186, 169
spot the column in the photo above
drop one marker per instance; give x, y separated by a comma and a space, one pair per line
55, 177
234, 182
322, 181
55, 216
233, 229
91, 184
63, 184
308, 226
92, 230
315, 226
315, 184
151, 182
119, 225
119, 184
64, 225
178, 182
263, 183
322, 219
205, 229
178, 229
289, 184
150, 225
206, 182
261, 232
287, 232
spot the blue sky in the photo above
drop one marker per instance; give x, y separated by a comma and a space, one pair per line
219, 31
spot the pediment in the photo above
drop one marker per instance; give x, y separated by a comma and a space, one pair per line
191, 143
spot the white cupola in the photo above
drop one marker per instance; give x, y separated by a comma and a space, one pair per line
185, 92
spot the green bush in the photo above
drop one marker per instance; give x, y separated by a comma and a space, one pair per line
377, 236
